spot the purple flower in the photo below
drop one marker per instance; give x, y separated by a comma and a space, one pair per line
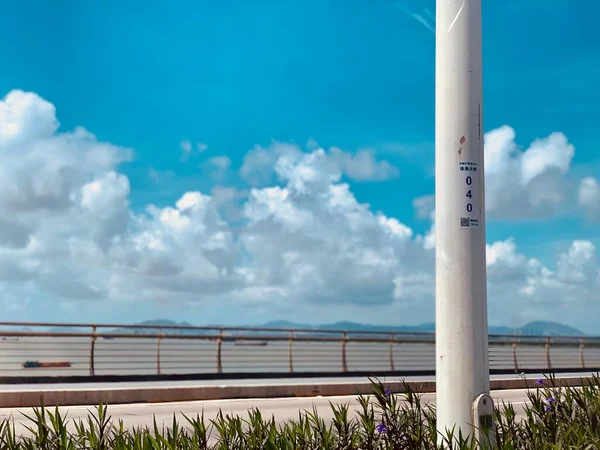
382, 429
388, 393
548, 408
550, 399
539, 381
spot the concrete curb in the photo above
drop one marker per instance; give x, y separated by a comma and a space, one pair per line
164, 394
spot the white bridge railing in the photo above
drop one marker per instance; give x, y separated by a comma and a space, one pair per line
32, 350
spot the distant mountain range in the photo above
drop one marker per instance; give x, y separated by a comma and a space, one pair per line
537, 328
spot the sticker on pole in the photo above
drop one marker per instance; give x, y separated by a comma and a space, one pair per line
469, 192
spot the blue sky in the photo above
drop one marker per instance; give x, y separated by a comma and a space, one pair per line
354, 75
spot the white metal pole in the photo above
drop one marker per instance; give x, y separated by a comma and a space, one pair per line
462, 366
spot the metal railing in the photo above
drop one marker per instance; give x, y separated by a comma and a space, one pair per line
112, 349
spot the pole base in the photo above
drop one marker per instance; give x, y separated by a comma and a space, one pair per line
484, 422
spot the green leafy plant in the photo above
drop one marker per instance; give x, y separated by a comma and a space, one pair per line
555, 418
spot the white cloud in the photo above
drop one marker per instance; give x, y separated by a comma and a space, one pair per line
574, 283
363, 165
186, 251
505, 264
221, 162
218, 168
25, 117
106, 201
567, 293
424, 206
303, 247
186, 146
258, 167
314, 240
230, 202
529, 183
526, 184
589, 197
224, 194
578, 265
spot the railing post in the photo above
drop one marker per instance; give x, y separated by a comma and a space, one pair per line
548, 345
219, 351
344, 361
392, 338
515, 361
291, 352
158, 341
581, 353
92, 352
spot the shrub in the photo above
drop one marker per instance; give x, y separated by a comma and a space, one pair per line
556, 418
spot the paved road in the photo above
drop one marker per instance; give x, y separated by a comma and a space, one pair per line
135, 415
249, 382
